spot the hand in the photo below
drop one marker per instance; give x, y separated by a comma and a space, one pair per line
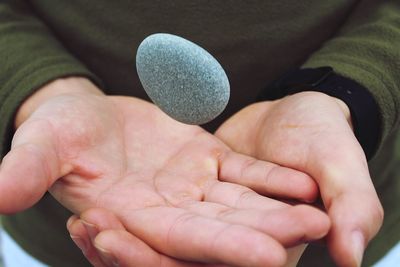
158, 176
105, 242
311, 132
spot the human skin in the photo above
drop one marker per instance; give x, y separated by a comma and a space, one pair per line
124, 155
312, 132
105, 242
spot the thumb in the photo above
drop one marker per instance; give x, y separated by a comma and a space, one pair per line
351, 201
30, 167
353, 226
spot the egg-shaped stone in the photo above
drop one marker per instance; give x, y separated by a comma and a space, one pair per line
182, 78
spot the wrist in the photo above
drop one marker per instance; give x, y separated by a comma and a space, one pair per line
70, 85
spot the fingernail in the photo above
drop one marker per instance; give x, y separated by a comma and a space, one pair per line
91, 229
358, 246
71, 220
80, 243
107, 257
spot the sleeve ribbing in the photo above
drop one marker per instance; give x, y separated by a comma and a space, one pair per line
30, 56
367, 50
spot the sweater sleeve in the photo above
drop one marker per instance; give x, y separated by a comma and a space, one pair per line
30, 57
367, 49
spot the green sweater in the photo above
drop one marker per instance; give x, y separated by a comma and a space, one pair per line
255, 41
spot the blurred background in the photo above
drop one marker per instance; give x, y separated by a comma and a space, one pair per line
1, 260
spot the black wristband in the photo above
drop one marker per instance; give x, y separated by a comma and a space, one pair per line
364, 110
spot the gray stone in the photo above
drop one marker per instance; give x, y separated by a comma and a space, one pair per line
182, 78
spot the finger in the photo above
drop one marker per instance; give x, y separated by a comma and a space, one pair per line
83, 231
29, 169
102, 218
123, 249
188, 236
80, 237
99, 219
267, 178
353, 226
240, 197
350, 198
289, 226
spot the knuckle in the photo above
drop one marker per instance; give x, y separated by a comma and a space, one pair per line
246, 166
378, 214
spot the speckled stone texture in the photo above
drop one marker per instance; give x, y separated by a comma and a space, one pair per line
182, 78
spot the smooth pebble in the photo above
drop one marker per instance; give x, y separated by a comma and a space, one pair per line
182, 78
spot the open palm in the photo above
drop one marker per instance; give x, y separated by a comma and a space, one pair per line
160, 177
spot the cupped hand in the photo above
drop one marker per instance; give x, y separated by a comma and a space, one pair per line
158, 176
312, 132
